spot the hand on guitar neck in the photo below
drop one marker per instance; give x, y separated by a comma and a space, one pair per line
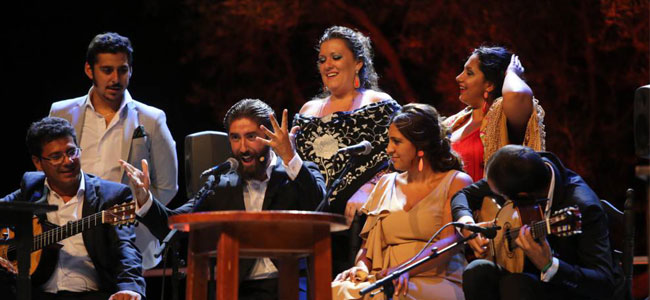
538, 252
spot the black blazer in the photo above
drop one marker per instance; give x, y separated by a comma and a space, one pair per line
111, 248
586, 268
282, 193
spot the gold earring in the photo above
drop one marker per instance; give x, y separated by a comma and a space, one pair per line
485, 95
420, 164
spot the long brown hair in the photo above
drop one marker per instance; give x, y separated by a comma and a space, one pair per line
420, 124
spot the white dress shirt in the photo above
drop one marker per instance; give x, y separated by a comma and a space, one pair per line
555, 263
102, 143
74, 270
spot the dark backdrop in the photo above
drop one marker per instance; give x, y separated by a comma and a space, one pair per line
193, 59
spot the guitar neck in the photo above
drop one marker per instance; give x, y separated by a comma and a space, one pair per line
60, 233
538, 230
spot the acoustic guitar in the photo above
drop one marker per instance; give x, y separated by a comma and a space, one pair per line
44, 253
503, 250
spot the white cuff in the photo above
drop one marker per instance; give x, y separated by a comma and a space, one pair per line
548, 275
141, 211
294, 166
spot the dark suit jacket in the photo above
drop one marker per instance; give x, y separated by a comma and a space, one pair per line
111, 249
282, 193
586, 269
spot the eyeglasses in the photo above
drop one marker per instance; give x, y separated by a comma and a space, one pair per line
58, 158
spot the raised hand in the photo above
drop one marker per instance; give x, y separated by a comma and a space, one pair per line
138, 180
279, 138
515, 66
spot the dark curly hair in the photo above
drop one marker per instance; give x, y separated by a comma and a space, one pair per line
421, 125
46, 130
109, 42
493, 62
360, 46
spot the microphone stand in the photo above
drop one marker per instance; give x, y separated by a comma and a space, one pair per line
387, 282
172, 240
325, 202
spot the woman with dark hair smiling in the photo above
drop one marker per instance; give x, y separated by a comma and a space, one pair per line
350, 109
406, 208
500, 109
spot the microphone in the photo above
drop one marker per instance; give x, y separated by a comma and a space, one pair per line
231, 164
488, 232
362, 148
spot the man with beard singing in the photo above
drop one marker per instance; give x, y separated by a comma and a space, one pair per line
270, 176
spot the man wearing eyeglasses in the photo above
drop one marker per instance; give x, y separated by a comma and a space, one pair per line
576, 267
112, 126
102, 262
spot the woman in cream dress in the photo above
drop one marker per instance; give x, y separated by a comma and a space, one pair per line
405, 209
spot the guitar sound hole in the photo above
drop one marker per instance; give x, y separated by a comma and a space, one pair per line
509, 239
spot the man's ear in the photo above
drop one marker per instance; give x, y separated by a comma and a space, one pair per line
37, 163
88, 70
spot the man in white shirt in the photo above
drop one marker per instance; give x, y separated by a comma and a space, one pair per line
113, 126
270, 176
100, 263
576, 267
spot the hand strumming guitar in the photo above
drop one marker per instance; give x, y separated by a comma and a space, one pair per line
479, 243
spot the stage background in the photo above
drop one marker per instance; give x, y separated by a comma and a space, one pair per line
194, 59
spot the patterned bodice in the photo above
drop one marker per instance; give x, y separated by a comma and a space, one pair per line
319, 139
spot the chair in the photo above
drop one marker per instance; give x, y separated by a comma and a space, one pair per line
621, 239
203, 150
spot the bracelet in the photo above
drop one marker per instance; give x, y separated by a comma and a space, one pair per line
547, 266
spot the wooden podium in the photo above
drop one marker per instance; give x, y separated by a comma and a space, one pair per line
283, 235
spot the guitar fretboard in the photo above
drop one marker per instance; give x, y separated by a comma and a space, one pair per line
63, 232
537, 230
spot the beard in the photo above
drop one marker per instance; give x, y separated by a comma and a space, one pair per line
258, 169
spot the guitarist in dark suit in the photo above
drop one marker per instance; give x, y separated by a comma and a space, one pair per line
103, 261
576, 267
271, 176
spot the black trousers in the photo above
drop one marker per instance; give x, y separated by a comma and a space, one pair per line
483, 279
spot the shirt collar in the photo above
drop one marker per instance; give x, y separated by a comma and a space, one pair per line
551, 189
127, 98
80, 191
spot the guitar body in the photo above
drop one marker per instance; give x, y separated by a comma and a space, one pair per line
503, 250
510, 219
45, 248
42, 262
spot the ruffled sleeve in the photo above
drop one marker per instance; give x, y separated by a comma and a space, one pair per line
377, 208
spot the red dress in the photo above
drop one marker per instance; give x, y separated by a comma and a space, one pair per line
470, 149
